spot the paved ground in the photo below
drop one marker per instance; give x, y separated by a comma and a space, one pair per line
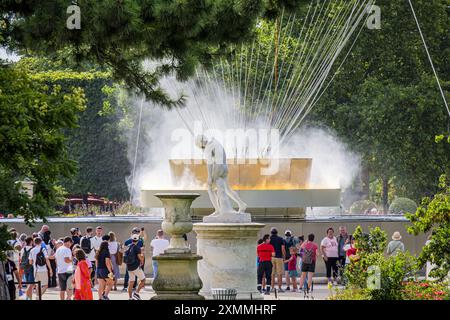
321, 292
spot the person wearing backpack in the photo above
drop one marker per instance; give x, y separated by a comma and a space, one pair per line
134, 259
309, 257
41, 265
88, 247
26, 267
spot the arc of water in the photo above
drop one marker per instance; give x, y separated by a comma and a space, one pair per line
353, 24
301, 74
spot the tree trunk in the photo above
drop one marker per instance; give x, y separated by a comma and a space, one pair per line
365, 181
4, 293
385, 194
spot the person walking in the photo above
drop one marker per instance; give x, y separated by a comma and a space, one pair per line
105, 275
265, 252
342, 240
64, 268
330, 255
158, 245
114, 251
87, 246
82, 277
290, 241
26, 266
41, 264
141, 245
134, 260
279, 245
396, 245
309, 258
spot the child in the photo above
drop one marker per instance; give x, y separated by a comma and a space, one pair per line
292, 267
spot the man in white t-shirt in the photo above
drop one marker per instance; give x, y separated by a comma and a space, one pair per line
158, 245
41, 265
330, 255
96, 242
64, 268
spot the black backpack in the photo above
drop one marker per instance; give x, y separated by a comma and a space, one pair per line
25, 262
130, 257
40, 258
86, 244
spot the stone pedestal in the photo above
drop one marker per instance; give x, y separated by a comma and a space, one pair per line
229, 257
177, 277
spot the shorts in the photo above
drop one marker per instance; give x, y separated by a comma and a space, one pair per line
309, 267
65, 281
277, 266
293, 273
29, 275
139, 273
41, 276
102, 273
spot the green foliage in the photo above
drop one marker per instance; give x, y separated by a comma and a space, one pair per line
425, 290
4, 237
402, 205
121, 34
97, 144
393, 270
434, 214
384, 101
373, 242
32, 144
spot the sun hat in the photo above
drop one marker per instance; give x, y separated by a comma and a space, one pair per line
288, 233
396, 236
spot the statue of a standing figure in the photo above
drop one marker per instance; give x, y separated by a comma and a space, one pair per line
219, 190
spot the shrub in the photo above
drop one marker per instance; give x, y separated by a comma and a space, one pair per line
402, 206
425, 290
362, 207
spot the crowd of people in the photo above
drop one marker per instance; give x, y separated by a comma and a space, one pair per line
78, 264
81, 264
295, 257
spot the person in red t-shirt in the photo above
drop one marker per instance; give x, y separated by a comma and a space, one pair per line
265, 252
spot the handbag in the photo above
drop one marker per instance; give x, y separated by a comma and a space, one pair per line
119, 255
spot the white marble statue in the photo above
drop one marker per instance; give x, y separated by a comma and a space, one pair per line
219, 190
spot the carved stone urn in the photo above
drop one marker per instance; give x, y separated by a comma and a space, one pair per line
177, 277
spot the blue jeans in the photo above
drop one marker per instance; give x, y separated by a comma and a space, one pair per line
155, 268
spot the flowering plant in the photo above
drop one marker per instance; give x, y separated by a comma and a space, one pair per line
425, 290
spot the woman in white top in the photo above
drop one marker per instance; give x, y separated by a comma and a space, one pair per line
329, 248
114, 248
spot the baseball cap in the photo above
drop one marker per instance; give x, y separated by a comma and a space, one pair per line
135, 237
135, 230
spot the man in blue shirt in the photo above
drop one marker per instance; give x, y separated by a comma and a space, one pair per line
141, 245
